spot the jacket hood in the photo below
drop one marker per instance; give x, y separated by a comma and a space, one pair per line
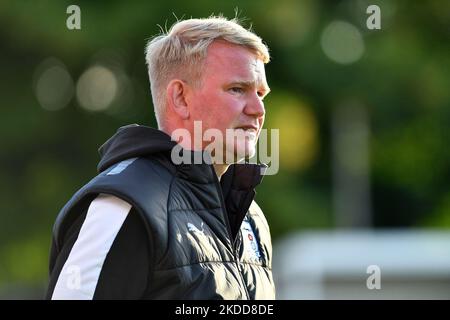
133, 141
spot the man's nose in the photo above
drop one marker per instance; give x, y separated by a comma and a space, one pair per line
255, 106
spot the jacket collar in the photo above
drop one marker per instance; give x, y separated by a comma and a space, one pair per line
238, 187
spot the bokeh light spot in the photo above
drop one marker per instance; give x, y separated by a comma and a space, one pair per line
97, 88
342, 42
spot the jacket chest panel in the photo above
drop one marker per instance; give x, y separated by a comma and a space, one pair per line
192, 239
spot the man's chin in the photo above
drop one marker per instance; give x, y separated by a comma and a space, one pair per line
241, 154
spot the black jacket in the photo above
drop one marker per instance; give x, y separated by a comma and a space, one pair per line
188, 236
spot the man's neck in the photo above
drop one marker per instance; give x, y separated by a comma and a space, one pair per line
220, 169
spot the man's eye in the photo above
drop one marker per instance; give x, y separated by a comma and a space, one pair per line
237, 90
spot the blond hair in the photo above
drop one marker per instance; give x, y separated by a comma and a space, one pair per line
180, 52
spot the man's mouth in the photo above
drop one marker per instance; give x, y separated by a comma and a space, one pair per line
248, 128
250, 131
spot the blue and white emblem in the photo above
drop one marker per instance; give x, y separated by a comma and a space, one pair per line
249, 240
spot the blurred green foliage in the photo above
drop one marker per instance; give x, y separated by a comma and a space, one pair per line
402, 79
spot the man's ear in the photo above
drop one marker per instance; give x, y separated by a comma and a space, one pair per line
176, 95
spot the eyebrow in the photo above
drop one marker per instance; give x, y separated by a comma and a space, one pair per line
251, 83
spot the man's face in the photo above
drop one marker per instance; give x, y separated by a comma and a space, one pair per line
231, 96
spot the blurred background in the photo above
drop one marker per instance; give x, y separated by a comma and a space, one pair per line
361, 205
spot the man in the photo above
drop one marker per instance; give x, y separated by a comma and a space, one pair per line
148, 227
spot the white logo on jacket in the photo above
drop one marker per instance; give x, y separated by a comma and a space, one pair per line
193, 228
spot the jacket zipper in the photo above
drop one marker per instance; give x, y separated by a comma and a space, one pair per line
233, 241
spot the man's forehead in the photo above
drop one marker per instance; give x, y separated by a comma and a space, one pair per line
257, 66
222, 52
234, 60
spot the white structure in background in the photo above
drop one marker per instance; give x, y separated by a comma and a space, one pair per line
414, 264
